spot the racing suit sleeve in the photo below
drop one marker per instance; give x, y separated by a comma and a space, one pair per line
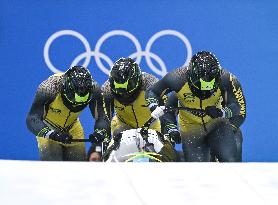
109, 106
168, 120
148, 81
172, 81
234, 100
34, 120
108, 100
102, 123
155, 92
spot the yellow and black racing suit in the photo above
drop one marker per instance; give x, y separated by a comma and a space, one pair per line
132, 113
50, 111
202, 135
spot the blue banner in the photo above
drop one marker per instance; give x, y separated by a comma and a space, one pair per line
39, 38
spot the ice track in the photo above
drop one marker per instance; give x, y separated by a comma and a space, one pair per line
73, 183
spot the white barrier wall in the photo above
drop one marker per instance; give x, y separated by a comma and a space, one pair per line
73, 183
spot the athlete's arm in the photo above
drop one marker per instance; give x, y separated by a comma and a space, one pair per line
34, 118
156, 91
168, 120
102, 123
108, 99
148, 80
234, 99
172, 81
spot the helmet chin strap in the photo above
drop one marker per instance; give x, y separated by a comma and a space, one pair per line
192, 84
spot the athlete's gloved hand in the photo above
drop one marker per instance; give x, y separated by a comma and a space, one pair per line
98, 136
214, 112
158, 112
173, 132
175, 136
59, 137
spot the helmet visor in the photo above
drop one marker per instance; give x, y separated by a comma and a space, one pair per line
73, 97
207, 85
76, 99
128, 87
80, 99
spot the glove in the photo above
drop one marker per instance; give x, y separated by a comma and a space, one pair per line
176, 136
173, 132
98, 136
59, 137
215, 112
158, 112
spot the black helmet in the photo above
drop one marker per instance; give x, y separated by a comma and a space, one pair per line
204, 74
125, 78
77, 85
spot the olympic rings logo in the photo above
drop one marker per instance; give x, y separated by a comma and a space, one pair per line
98, 55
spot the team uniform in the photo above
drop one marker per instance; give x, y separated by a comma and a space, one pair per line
51, 111
132, 113
124, 94
203, 132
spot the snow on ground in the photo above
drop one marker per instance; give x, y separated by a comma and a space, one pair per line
82, 183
